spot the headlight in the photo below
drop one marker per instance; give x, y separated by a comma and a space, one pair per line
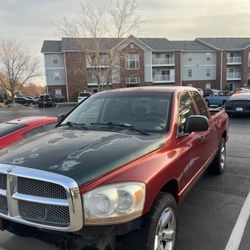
116, 203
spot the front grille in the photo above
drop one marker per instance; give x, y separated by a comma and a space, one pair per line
44, 214
239, 103
3, 205
3, 181
40, 188
40, 199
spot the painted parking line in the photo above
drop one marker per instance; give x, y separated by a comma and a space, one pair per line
239, 228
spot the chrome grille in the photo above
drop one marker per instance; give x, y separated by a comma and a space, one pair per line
3, 205
40, 199
3, 181
40, 188
44, 214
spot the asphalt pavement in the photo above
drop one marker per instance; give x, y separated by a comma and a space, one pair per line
208, 217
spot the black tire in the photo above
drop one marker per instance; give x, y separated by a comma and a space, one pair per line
218, 165
145, 238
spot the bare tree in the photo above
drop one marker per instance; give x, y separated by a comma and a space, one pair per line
16, 67
114, 19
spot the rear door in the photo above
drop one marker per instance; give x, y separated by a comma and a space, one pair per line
190, 146
208, 142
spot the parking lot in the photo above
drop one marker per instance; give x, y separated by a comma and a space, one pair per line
211, 210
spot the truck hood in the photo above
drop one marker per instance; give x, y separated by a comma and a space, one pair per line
79, 154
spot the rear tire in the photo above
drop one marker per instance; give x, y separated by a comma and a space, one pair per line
159, 230
218, 165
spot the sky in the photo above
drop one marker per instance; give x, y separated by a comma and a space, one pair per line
32, 21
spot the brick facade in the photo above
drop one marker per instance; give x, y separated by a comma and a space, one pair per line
131, 48
177, 59
202, 84
76, 73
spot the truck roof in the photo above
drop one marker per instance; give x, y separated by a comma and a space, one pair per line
169, 89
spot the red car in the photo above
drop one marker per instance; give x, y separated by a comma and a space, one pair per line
18, 129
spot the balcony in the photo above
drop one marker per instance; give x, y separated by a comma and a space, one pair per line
234, 60
233, 75
163, 61
163, 78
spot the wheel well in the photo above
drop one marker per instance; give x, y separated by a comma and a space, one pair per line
172, 188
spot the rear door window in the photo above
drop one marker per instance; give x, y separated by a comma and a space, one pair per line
186, 109
199, 103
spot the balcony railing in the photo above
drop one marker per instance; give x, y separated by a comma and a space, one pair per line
103, 63
233, 75
163, 61
234, 60
163, 78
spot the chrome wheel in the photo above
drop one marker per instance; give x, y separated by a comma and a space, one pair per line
222, 156
165, 231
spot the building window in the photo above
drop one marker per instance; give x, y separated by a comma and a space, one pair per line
57, 76
132, 61
190, 85
208, 86
133, 80
208, 72
190, 73
208, 57
248, 58
55, 59
189, 58
58, 93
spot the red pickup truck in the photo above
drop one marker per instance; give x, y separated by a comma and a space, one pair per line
115, 167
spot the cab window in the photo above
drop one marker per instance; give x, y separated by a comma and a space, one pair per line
186, 108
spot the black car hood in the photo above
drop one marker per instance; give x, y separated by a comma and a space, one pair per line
79, 154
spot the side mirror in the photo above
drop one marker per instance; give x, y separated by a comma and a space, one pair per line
60, 117
196, 123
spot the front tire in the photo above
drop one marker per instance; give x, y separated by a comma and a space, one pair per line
160, 228
218, 164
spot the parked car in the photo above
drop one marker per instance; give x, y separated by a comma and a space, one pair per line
201, 91
241, 90
15, 130
83, 95
238, 104
118, 164
23, 100
218, 98
46, 101
210, 92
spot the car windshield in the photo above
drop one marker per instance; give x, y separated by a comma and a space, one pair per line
148, 111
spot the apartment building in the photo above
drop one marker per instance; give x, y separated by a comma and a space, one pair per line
71, 63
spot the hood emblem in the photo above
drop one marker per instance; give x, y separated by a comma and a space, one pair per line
9, 170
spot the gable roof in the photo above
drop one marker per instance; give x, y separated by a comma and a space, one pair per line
50, 46
226, 43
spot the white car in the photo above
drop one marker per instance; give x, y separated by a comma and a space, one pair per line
83, 95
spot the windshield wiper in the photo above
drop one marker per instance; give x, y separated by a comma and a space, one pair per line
75, 125
120, 125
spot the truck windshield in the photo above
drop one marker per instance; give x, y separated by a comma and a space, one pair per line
148, 111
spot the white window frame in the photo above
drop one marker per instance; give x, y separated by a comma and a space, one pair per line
135, 58
208, 57
133, 80
208, 85
57, 76
248, 58
190, 73
55, 59
58, 94
208, 73
189, 58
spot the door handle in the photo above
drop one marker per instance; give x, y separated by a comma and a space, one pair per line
202, 138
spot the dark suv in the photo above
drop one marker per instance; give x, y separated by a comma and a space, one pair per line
46, 101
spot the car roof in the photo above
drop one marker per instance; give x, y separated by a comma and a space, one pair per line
32, 120
241, 96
